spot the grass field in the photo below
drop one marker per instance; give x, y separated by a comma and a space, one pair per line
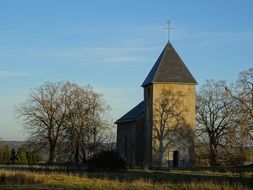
143, 180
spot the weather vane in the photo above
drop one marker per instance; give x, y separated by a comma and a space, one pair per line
169, 30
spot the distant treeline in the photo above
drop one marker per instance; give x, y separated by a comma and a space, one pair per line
20, 156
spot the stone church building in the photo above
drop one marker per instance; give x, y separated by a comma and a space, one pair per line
138, 129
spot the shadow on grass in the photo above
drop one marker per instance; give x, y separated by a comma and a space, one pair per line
34, 187
23, 179
112, 180
166, 177
17, 178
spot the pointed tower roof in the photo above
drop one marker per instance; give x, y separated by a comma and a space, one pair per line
169, 68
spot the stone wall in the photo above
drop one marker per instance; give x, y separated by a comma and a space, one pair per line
130, 141
186, 151
126, 142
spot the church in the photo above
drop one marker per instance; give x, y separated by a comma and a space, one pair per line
158, 132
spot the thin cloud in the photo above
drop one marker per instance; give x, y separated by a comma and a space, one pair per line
230, 36
205, 39
112, 29
123, 59
100, 54
89, 52
14, 74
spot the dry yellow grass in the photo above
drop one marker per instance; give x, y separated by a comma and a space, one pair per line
11, 180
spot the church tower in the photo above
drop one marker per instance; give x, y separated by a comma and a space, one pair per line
169, 74
158, 132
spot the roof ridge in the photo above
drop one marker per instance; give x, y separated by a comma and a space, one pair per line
183, 63
133, 114
154, 68
162, 55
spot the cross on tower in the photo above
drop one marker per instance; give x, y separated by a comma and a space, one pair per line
169, 29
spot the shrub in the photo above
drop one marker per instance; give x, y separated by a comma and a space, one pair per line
21, 156
5, 154
106, 161
13, 157
33, 157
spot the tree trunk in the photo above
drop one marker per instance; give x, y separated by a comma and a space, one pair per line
213, 159
77, 153
83, 154
51, 158
160, 154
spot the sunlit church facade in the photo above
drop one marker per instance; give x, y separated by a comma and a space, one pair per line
135, 142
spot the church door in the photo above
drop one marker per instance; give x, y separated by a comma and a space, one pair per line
175, 158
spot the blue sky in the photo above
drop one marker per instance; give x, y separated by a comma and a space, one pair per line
112, 45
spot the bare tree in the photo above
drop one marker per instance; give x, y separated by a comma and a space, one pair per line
216, 113
43, 115
76, 121
243, 94
67, 119
87, 121
99, 122
168, 122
